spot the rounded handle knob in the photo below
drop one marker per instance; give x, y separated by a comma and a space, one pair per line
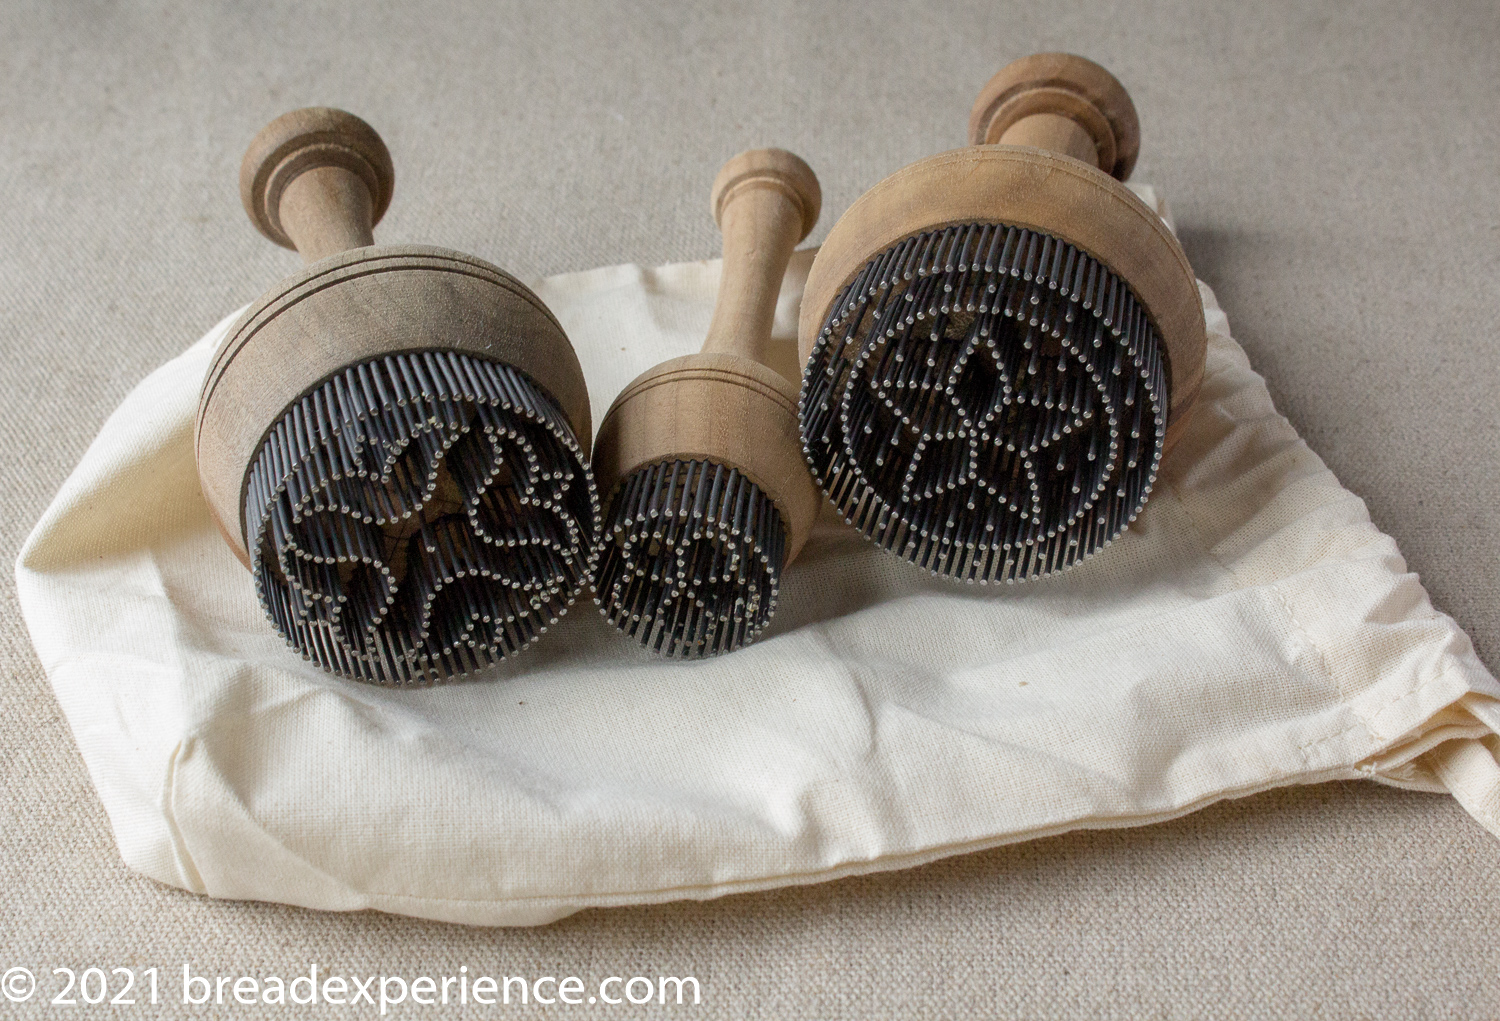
317, 180
1061, 102
783, 171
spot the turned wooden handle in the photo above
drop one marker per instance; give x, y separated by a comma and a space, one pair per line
725, 404
765, 201
1062, 103
317, 180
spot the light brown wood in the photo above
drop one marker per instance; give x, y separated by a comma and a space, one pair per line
1055, 133
725, 405
717, 407
326, 210
1027, 187
765, 201
353, 303
359, 305
317, 139
1066, 85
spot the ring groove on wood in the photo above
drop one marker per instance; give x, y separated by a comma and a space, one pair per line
909, 236
706, 492
394, 440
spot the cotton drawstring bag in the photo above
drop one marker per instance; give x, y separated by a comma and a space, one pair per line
1251, 629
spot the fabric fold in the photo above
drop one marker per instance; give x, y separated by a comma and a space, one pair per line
1252, 629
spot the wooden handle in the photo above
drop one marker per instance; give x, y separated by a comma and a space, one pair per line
765, 201
725, 404
1064, 104
317, 180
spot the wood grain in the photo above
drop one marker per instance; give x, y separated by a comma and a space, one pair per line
1067, 85
306, 140
724, 404
318, 180
1063, 194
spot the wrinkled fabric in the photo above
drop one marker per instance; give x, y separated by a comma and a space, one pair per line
1252, 629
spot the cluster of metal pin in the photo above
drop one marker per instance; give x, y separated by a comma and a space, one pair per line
692, 559
419, 516
986, 401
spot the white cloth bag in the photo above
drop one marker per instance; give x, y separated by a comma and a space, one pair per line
1252, 629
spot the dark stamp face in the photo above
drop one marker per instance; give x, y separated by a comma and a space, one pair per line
419, 516
692, 558
986, 401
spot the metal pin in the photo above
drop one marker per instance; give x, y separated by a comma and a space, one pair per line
939, 502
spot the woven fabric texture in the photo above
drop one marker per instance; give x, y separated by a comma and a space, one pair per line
1251, 629
1332, 168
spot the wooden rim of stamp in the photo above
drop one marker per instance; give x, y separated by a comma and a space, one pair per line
1027, 186
724, 404
317, 180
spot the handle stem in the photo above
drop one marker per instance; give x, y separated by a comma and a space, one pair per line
761, 228
765, 201
1054, 133
327, 210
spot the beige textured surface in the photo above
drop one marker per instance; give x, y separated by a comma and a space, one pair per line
1333, 172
